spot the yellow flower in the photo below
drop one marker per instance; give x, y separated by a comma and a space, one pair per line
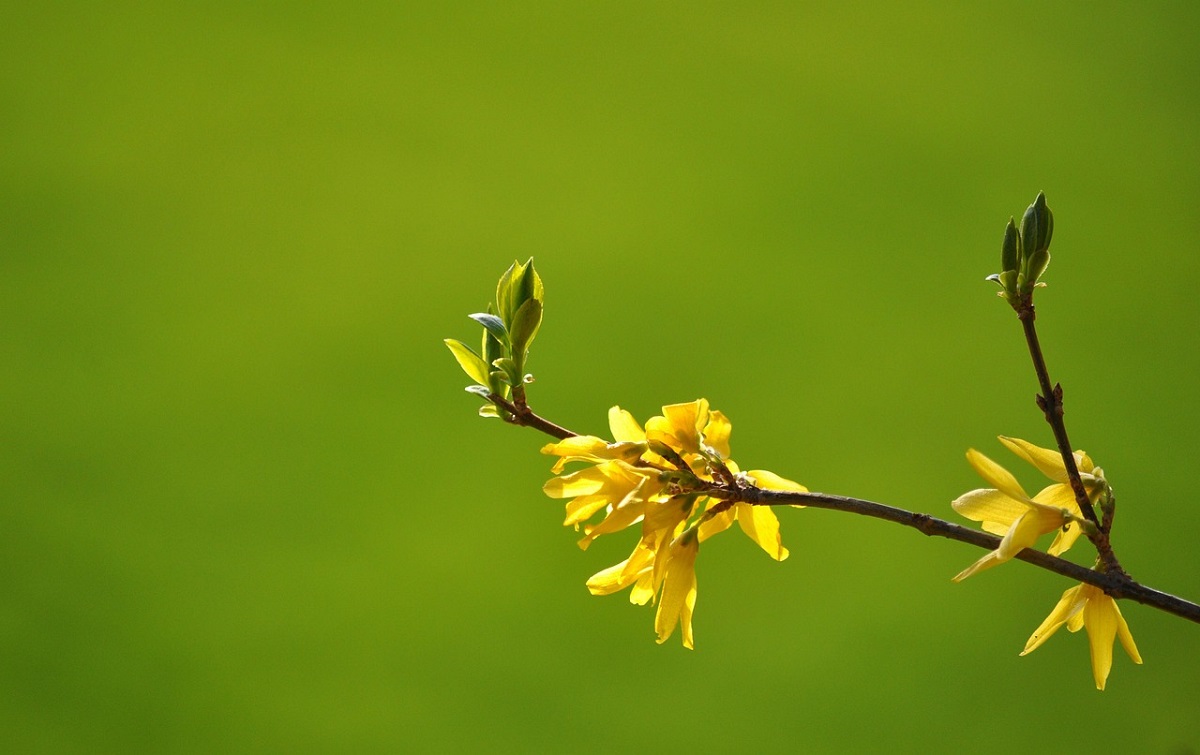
668, 491
621, 488
681, 426
1050, 463
1089, 607
1006, 509
629, 443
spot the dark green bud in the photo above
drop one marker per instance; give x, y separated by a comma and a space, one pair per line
1037, 227
1010, 253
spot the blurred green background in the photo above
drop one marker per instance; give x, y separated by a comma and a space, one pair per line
246, 506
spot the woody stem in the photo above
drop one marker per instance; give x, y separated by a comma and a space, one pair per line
1050, 401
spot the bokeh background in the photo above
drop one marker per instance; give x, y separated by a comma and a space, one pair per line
246, 506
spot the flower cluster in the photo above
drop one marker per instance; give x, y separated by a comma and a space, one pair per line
1007, 510
668, 478
1087, 606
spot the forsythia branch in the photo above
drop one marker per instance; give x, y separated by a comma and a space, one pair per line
675, 482
1115, 583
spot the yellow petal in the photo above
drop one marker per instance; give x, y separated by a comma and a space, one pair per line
607, 581
1049, 462
576, 445
995, 509
679, 591
685, 616
624, 427
1100, 618
995, 475
1027, 529
662, 517
582, 508
619, 576
1067, 606
583, 482
1083, 462
988, 561
626, 512
716, 523
771, 481
680, 425
643, 590
1065, 538
1125, 637
717, 432
1059, 496
1024, 532
761, 525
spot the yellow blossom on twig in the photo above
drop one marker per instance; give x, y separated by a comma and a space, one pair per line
1007, 510
668, 478
1089, 607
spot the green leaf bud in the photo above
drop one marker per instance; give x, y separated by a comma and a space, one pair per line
1010, 254
524, 328
493, 325
504, 291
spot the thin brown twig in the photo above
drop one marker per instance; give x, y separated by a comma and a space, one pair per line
1051, 403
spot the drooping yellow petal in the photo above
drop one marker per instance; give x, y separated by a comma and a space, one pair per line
643, 590
1100, 619
607, 581
995, 475
625, 513
761, 525
664, 517
994, 509
1048, 461
624, 427
1125, 637
717, 523
1065, 538
1024, 532
1067, 606
679, 590
619, 576
582, 508
685, 616
989, 560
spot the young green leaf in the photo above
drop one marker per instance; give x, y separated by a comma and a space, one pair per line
471, 363
493, 324
525, 327
504, 291
508, 368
